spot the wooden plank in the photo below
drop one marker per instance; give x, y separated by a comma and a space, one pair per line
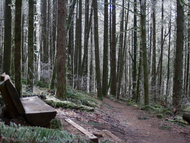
34, 105
91, 136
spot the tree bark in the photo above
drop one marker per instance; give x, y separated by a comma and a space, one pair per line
121, 53
144, 50
105, 57
97, 60
169, 45
30, 77
113, 51
161, 53
18, 69
153, 79
7, 37
178, 63
61, 50
135, 51
80, 45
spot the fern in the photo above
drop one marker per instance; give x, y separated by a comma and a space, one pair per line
35, 134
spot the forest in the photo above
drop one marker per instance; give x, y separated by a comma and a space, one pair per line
133, 49
126, 63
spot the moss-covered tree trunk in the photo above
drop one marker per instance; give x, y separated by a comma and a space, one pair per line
17, 56
144, 50
61, 50
30, 77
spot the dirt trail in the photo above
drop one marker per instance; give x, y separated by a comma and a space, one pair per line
147, 131
120, 123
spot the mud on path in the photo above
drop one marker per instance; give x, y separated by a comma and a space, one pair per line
121, 123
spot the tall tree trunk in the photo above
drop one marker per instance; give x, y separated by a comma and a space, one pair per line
135, 51
61, 50
80, 45
105, 57
70, 52
121, 53
53, 78
187, 79
168, 74
178, 74
76, 55
91, 82
153, 79
161, 53
30, 77
88, 22
45, 50
70, 17
7, 37
18, 69
139, 77
144, 50
113, 51
23, 43
54, 25
97, 60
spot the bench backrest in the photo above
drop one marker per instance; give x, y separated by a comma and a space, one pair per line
10, 96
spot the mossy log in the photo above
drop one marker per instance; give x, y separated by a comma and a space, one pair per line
186, 117
54, 102
177, 121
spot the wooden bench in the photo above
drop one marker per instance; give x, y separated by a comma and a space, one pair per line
35, 111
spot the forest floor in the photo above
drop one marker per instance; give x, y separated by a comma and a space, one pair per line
118, 122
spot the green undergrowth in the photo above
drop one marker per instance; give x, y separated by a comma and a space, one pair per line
157, 109
165, 127
20, 134
81, 98
75, 100
54, 102
37, 83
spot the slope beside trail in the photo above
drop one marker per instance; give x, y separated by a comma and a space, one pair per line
125, 124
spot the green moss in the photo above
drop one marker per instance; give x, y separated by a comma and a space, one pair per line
165, 127
86, 108
68, 104
56, 124
187, 109
159, 116
142, 118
